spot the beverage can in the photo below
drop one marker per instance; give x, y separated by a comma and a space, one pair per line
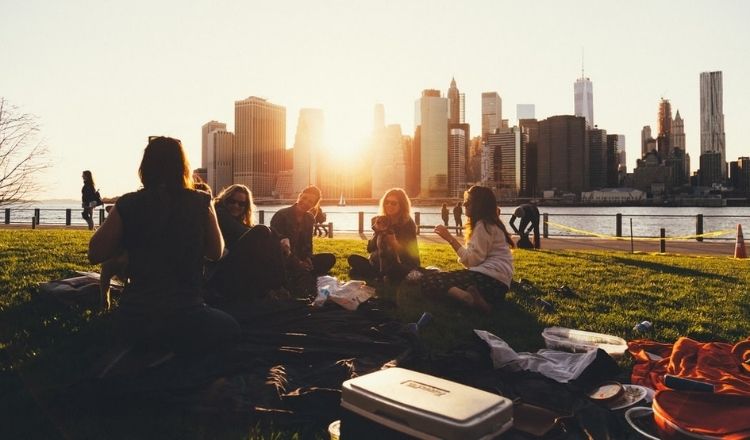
642, 327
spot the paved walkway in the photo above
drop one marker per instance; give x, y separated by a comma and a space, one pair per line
712, 248
688, 247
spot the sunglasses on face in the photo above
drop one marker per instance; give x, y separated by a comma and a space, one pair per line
236, 202
391, 202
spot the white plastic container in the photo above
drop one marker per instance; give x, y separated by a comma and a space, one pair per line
578, 341
422, 406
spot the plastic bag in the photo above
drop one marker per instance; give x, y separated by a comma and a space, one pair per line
351, 294
348, 295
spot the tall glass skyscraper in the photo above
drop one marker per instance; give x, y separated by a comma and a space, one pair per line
712, 116
583, 90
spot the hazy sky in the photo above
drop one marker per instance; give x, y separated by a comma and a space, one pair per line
104, 75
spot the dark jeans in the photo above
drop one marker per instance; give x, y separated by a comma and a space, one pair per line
302, 282
361, 267
253, 266
193, 329
88, 214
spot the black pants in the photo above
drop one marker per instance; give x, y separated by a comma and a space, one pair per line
362, 268
524, 232
253, 266
438, 283
189, 330
87, 215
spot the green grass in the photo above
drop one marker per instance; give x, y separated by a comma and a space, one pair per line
44, 346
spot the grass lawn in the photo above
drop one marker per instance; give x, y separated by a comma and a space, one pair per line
43, 344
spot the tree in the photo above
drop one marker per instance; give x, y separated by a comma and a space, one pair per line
22, 154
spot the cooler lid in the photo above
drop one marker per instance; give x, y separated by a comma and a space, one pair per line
425, 393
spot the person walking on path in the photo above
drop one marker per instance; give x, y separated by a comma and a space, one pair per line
457, 213
529, 215
486, 256
89, 198
445, 214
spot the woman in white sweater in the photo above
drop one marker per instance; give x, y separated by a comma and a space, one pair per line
486, 256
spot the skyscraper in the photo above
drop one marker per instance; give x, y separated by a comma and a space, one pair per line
525, 111
712, 116
563, 154
583, 93
492, 112
646, 140
457, 162
678, 132
664, 137
505, 145
597, 158
456, 104
207, 128
388, 164
220, 147
308, 144
431, 139
259, 144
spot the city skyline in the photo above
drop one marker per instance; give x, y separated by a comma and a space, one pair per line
111, 76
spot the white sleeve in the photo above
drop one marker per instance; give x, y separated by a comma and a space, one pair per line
475, 252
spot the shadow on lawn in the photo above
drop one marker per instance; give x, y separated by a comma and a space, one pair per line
649, 265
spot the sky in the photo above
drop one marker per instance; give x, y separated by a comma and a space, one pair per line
101, 76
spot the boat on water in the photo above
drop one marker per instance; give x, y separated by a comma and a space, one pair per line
342, 202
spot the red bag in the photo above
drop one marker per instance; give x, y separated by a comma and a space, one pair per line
697, 415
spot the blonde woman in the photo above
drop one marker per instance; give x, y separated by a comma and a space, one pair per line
234, 209
396, 243
253, 266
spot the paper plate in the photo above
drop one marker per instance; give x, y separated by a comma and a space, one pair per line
632, 395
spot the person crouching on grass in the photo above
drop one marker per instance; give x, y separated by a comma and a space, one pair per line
294, 226
486, 256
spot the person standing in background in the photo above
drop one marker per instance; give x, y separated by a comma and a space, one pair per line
444, 214
458, 211
89, 198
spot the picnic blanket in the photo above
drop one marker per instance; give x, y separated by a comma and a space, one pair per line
723, 365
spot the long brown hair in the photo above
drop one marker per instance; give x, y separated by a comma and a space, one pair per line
480, 204
164, 163
404, 213
88, 178
228, 192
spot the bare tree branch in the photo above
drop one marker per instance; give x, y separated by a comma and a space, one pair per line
22, 155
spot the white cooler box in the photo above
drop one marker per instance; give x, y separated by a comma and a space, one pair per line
422, 406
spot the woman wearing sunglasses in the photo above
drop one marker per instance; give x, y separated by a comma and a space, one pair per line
252, 266
395, 243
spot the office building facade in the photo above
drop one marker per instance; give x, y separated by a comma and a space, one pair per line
431, 117
207, 128
583, 96
712, 116
308, 145
259, 144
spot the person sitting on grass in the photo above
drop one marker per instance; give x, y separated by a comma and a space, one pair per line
294, 227
167, 229
253, 265
393, 249
486, 256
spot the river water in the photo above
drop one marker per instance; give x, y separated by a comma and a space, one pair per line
562, 220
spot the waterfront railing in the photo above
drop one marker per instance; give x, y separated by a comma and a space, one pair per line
559, 224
